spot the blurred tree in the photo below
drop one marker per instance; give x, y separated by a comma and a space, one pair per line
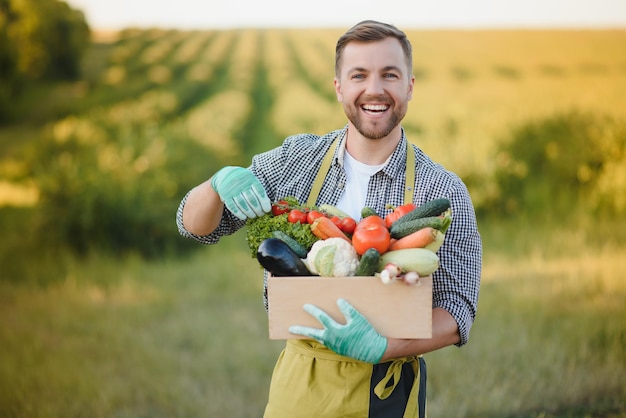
39, 39
564, 163
9, 79
47, 36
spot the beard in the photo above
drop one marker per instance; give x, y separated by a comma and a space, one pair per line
374, 129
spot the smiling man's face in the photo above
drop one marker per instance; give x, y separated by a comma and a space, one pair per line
374, 86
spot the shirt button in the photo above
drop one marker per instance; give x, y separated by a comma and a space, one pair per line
340, 185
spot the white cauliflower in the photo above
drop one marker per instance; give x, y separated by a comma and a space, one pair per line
333, 257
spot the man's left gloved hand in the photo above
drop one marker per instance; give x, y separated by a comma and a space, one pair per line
356, 339
241, 192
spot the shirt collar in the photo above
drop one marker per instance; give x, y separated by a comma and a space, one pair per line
393, 166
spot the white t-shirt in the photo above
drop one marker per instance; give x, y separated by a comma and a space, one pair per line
358, 176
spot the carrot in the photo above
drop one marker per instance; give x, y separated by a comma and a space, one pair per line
324, 228
418, 239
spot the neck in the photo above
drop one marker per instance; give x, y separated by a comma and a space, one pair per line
371, 151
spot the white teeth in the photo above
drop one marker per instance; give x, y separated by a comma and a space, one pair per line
375, 108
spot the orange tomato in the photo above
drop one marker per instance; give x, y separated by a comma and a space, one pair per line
371, 233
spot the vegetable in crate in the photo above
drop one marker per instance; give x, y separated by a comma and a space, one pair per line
260, 228
418, 239
398, 212
368, 264
419, 260
371, 232
293, 244
278, 258
324, 228
433, 207
333, 257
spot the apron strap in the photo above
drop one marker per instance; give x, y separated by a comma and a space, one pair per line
319, 178
409, 176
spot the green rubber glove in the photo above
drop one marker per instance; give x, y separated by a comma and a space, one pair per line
356, 339
241, 192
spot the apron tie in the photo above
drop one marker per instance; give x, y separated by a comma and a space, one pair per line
382, 389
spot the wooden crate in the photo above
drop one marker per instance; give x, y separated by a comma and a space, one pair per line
396, 310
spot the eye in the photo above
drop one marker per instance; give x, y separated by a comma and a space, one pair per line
390, 75
357, 76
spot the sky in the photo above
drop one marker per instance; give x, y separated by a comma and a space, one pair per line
406, 14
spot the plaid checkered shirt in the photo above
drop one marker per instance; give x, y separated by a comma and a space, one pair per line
290, 169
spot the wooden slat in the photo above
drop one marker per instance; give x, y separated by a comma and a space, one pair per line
396, 310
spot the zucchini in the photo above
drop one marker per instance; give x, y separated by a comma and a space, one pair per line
402, 229
277, 257
419, 260
433, 207
368, 264
295, 246
437, 243
333, 211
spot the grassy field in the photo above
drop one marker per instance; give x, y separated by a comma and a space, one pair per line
105, 336
188, 338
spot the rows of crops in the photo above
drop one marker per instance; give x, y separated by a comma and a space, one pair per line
158, 111
470, 86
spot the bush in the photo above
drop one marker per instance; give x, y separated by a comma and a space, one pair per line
570, 160
116, 190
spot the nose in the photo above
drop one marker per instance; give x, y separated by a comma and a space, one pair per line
374, 86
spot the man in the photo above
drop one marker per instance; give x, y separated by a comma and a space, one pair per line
352, 371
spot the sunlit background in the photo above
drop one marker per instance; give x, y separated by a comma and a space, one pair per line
193, 14
111, 110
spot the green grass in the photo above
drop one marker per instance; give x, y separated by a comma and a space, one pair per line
188, 338
128, 338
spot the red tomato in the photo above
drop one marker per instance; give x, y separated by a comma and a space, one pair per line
296, 215
336, 220
348, 225
313, 215
372, 219
371, 233
280, 207
399, 212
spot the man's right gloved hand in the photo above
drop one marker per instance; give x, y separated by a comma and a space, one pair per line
241, 192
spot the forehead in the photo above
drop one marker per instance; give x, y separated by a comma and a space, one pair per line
373, 56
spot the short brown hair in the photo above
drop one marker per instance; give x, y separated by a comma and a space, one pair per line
370, 31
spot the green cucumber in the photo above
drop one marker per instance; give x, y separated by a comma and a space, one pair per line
402, 229
368, 264
431, 208
295, 246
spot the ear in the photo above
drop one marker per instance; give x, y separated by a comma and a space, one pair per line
411, 85
338, 90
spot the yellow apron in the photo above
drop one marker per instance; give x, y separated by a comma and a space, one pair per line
310, 380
